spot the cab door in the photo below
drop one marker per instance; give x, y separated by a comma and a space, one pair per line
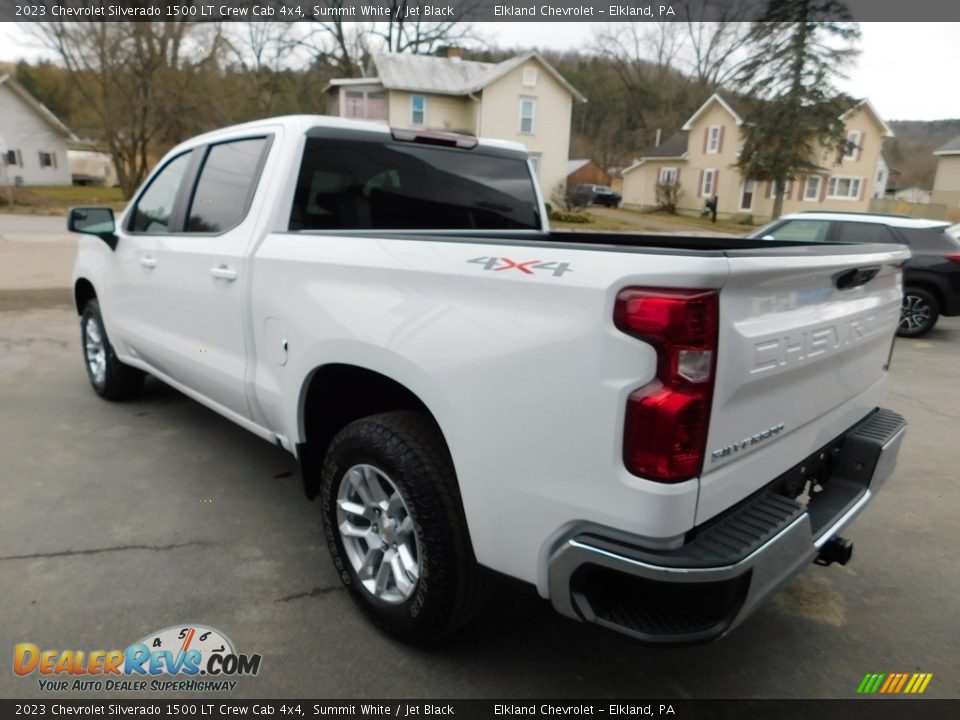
132, 301
203, 273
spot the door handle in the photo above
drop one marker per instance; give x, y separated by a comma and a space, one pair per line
148, 262
222, 272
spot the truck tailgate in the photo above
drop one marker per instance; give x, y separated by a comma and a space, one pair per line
804, 341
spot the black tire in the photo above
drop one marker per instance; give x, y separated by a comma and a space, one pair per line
919, 313
452, 588
117, 381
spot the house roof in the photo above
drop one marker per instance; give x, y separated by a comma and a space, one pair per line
887, 131
726, 102
38, 107
574, 165
951, 148
452, 76
674, 146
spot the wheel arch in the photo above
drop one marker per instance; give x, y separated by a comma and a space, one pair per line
83, 292
336, 394
929, 282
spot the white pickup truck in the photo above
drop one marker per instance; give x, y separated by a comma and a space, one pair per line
658, 432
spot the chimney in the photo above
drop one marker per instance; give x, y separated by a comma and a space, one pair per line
657, 142
454, 53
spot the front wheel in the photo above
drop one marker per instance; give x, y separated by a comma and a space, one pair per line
395, 527
918, 314
111, 379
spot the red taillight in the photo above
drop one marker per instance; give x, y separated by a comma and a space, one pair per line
666, 425
953, 257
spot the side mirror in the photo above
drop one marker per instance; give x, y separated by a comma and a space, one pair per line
94, 221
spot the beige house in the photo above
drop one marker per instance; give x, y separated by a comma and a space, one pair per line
523, 99
946, 183
702, 158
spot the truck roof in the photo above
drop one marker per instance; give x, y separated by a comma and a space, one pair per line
303, 123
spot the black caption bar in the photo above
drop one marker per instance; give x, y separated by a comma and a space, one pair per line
444, 10
860, 709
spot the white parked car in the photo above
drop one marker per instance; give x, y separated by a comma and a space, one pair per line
657, 432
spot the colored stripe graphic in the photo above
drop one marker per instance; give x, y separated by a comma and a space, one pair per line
894, 683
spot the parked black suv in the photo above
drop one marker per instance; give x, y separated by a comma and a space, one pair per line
595, 195
931, 278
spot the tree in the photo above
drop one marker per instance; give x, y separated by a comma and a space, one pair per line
713, 48
144, 82
798, 49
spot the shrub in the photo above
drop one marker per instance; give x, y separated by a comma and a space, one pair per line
667, 196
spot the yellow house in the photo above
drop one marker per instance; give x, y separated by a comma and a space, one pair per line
523, 99
946, 183
702, 160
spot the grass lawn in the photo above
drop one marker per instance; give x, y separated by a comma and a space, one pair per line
599, 224
56, 200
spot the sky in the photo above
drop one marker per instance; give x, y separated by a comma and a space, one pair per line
907, 70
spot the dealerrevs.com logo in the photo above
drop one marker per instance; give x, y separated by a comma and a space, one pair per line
182, 658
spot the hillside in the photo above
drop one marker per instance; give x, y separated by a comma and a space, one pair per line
910, 151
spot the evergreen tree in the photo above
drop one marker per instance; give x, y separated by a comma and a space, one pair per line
799, 49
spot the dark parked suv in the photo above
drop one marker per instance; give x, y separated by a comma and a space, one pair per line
595, 195
931, 278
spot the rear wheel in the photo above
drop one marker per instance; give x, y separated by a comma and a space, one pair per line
111, 379
395, 527
919, 312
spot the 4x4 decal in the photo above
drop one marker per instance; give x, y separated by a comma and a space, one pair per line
527, 266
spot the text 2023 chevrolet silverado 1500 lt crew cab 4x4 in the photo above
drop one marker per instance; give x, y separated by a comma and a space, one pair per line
657, 432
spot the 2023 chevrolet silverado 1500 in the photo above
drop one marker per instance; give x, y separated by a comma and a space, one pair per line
657, 432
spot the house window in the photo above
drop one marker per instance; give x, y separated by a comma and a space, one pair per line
843, 188
746, 198
10, 157
853, 145
530, 77
668, 176
811, 188
353, 104
48, 159
709, 183
713, 139
528, 108
535, 163
418, 110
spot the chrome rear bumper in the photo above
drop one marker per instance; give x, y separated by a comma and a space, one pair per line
728, 567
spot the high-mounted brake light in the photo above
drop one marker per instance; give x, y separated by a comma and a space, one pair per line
434, 137
665, 433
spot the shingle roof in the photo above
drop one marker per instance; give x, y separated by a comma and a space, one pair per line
574, 165
673, 147
451, 76
951, 148
38, 107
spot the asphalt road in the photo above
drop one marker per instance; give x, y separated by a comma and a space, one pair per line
120, 519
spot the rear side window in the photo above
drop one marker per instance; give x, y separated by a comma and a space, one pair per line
369, 185
929, 239
865, 233
226, 184
809, 231
155, 205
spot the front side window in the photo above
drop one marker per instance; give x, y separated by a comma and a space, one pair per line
418, 110
226, 184
798, 231
528, 108
152, 211
383, 185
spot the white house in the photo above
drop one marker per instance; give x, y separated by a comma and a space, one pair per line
34, 141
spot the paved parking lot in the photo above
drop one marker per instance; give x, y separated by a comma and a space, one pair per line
120, 519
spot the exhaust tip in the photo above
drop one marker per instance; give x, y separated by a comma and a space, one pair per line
836, 550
